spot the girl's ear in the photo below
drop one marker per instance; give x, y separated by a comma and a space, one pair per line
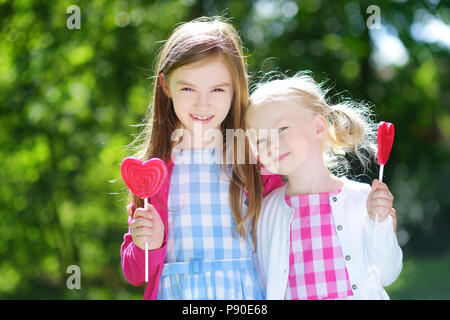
320, 125
164, 84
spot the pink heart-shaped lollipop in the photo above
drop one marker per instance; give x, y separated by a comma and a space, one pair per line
385, 139
143, 178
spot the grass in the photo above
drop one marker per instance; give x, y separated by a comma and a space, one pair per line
426, 278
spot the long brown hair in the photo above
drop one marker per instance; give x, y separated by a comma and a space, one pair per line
189, 43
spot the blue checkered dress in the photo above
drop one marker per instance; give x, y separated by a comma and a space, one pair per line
204, 259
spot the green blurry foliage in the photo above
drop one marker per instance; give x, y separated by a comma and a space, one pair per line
69, 100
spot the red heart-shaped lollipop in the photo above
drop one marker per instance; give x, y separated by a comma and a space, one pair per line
143, 178
385, 139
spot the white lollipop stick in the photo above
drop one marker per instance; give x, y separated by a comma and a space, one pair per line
380, 177
146, 247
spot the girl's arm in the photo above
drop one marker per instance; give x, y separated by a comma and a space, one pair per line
383, 250
386, 253
133, 258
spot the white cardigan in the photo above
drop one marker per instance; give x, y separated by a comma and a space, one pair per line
369, 268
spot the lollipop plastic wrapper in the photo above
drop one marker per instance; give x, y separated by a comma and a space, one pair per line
385, 139
144, 179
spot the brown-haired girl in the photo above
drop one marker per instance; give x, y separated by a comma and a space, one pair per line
199, 230
314, 234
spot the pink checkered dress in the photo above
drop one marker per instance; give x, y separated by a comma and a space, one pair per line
316, 263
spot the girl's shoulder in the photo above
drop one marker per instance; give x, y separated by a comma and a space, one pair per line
274, 211
271, 182
355, 188
274, 201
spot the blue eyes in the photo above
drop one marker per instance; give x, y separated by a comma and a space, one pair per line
263, 140
191, 90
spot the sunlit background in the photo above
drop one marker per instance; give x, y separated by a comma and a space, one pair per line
71, 99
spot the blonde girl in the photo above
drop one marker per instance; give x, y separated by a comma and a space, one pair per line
198, 227
315, 233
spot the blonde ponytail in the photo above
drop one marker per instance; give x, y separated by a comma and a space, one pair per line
346, 129
351, 130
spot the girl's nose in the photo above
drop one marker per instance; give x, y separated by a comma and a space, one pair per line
202, 103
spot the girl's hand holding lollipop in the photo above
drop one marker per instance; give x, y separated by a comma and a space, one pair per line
147, 227
145, 180
379, 201
380, 198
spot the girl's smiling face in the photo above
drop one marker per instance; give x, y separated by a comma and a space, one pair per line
297, 138
202, 93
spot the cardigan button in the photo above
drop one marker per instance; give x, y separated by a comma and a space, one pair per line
339, 227
354, 287
347, 257
334, 199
